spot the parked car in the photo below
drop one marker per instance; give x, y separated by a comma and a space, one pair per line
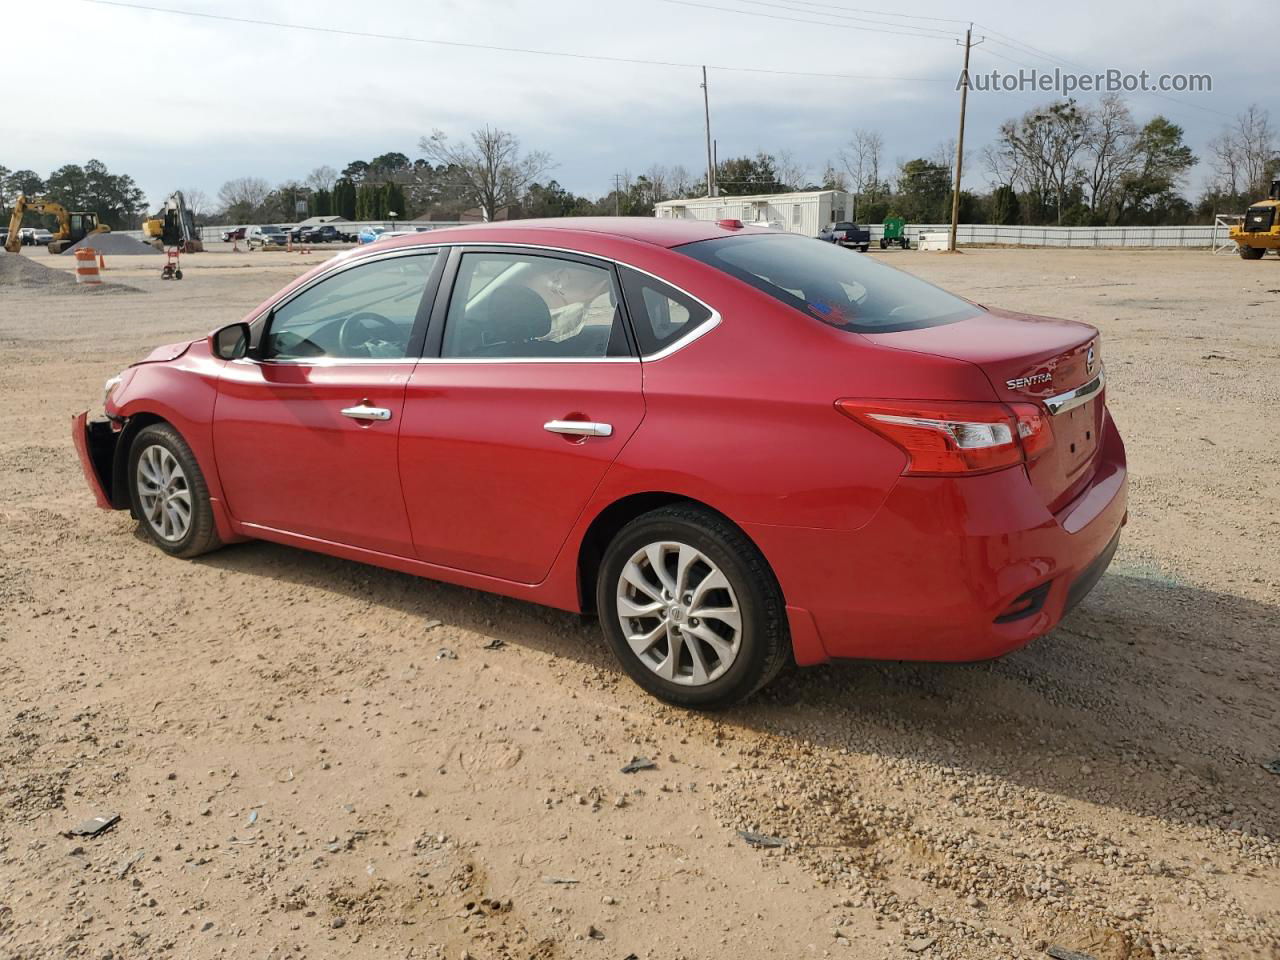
265, 237
370, 234
232, 234
737, 447
847, 234
325, 233
297, 232
41, 237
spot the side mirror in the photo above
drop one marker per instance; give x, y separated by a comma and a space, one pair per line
231, 342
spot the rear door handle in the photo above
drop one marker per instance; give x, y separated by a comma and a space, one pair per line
362, 412
579, 428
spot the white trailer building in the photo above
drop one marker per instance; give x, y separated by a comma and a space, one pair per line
805, 213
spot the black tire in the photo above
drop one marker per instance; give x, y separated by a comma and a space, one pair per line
177, 274
764, 642
201, 535
1252, 253
884, 244
864, 248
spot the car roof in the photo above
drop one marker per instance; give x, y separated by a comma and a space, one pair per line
660, 231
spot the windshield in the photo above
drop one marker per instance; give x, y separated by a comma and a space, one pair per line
846, 290
272, 230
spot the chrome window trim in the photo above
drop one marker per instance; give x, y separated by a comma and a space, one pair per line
1071, 399
340, 267
711, 323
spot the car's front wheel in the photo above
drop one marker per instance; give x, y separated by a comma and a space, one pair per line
168, 493
690, 608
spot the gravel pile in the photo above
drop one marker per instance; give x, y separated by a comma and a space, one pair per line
114, 245
19, 271
23, 272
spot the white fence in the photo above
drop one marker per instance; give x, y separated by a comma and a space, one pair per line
968, 234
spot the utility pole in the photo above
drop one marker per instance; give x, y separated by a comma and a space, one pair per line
617, 190
706, 109
964, 99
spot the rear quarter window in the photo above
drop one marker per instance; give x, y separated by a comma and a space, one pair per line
660, 313
845, 290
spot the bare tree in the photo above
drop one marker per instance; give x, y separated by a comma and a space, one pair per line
1258, 152
834, 178
1110, 151
492, 170
1046, 142
862, 159
679, 180
790, 171
243, 197
1226, 162
659, 182
322, 178
197, 202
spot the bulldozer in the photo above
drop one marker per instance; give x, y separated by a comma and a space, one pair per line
173, 226
72, 227
1260, 230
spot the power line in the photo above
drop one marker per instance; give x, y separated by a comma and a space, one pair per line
467, 45
819, 23
879, 13
932, 31
1044, 55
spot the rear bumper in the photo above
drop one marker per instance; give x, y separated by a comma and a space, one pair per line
948, 569
95, 443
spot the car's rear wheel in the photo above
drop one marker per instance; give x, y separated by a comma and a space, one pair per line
691, 609
168, 493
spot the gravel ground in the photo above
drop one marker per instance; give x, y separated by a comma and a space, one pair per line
301, 770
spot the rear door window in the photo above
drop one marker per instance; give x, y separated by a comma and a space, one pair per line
828, 283
518, 306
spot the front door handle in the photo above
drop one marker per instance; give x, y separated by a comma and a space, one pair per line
579, 428
362, 412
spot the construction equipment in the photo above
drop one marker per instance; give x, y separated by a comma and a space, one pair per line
72, 227
1260, 230
895, 234
173, 226
172, 269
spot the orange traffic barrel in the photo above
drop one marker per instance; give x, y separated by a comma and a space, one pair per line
87, 266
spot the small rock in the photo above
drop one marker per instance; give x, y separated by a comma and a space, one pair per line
338, 923
921, 944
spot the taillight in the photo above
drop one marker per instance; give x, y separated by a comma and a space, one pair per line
950, 437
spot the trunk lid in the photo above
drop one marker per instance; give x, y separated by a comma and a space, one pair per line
1030, 359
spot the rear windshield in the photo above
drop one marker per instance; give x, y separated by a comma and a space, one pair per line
847, 290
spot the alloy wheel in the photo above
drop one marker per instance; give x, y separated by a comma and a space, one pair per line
164, 493
678, 613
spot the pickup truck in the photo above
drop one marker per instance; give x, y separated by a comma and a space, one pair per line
325, 233
232, 234
847, 234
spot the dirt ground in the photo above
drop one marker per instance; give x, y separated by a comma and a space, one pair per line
301, 770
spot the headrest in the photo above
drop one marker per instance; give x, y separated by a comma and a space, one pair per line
515, 315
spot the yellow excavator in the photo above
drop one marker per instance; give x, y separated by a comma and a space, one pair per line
173, 226
72, 227
1260, 231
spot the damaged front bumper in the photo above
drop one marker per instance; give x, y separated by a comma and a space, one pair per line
95, 442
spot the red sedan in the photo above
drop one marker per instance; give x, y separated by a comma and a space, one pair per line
738, 447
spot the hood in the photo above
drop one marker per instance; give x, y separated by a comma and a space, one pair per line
171, 351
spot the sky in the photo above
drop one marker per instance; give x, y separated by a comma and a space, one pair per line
191, 102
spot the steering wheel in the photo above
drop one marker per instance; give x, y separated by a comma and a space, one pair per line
362, 325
